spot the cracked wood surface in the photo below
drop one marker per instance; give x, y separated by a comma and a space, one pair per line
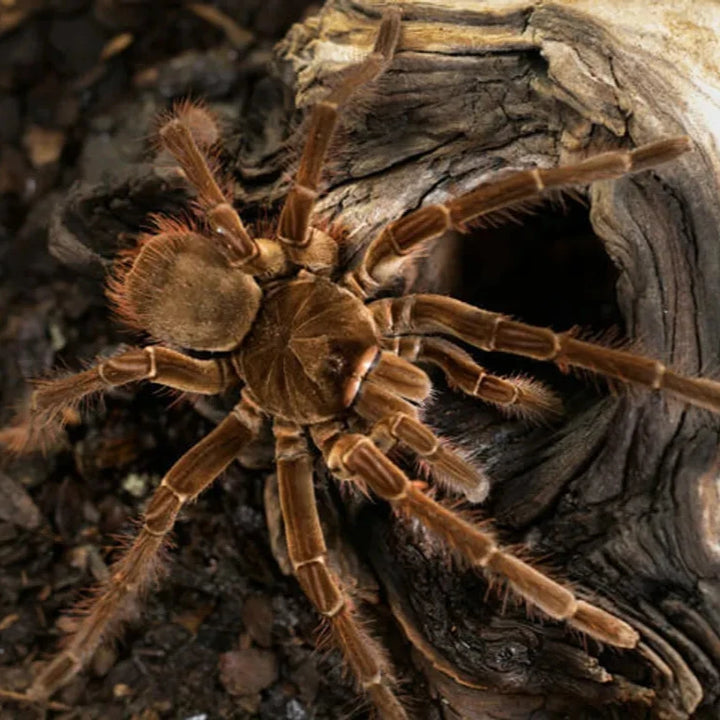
623, 496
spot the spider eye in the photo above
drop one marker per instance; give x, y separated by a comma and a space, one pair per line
182, 290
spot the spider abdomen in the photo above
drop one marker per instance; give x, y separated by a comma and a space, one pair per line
310, 339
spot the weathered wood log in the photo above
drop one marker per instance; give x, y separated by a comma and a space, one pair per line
622, 496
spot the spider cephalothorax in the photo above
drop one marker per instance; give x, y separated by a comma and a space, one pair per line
311, 340
334, 369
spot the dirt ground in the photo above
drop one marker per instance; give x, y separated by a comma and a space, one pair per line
228, 635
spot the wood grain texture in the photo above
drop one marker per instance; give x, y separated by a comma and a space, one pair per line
623, 495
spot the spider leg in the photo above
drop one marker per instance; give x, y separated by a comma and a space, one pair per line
295, 216
134, 573
493, 332
394, 420
306, 546
158, 364
179, 136
356, 458
518, 396
386, 253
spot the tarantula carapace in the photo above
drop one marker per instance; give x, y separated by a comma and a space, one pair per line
334, 369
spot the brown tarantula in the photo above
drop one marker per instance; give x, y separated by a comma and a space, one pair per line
334, 369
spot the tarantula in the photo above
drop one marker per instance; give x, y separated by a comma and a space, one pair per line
334, 369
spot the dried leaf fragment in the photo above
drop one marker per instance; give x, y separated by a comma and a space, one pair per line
43, 145
116, 45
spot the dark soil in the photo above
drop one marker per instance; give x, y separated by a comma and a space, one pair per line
227, 635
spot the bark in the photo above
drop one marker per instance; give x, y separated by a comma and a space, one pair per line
622, 496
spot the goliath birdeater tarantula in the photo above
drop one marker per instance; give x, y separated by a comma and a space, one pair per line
334, 369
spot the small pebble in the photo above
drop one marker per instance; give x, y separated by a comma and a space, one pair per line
295, 711
121, 690
246, 672
257, 616
136, 484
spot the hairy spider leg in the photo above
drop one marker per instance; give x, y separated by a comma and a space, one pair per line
135, 572
256, 256
308, 555
387, 251
355, 457
296, 212
494, 332
517, 396
394, 420
155, 363
177, 137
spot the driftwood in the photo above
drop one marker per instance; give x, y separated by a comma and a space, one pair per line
622, 496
